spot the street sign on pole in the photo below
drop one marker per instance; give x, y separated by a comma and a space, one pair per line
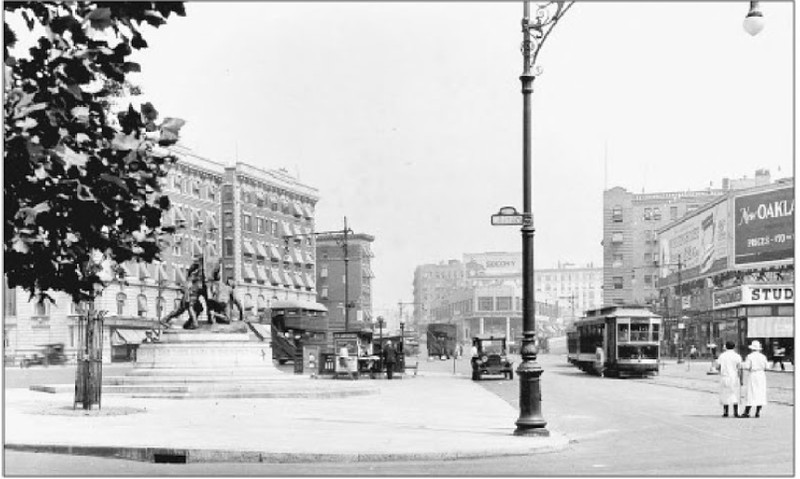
508, 216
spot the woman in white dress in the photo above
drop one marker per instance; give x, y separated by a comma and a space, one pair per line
728, 365
755, 366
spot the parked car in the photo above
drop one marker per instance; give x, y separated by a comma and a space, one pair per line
491, 358
49, 354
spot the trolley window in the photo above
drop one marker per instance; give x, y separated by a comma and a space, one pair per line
640, 332
656, 332
624, 333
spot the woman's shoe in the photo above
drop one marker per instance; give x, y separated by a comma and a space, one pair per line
744, 416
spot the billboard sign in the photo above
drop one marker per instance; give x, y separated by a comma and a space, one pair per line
699, 243
764, 226
496, 263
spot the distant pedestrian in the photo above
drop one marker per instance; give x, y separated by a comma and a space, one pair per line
693, 352
728, 365
778, 353
389, 358
599, 359
755, 366
474, 351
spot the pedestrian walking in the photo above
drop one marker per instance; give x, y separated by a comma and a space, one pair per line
754, 367
778, 353
389, 358
728, 365
599, 359
693, 353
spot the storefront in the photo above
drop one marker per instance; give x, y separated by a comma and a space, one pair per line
755, 311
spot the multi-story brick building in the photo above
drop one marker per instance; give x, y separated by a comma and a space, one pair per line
268, 245
256, 258
331, 280
630, 224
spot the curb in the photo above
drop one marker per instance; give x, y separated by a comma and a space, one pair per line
185, 456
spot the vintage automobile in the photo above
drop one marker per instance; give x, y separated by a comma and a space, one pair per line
491, 358
49, 354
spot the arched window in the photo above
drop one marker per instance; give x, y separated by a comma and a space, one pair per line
121, 303
41, 308
261, 303
141, 305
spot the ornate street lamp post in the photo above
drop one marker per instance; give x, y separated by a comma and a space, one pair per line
534, 33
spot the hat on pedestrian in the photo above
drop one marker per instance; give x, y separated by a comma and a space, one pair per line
755, 345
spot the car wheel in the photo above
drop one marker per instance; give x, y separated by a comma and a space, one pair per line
510, 375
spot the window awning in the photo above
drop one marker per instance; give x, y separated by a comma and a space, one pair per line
248, 271
309, 281
285, 230
180, 274
295, 229
248, 248
212, 222
297, 280
260, 251
161, 272
274, 278
261, 274
196, 248
308, 258
197, 218
273, 251
179, 216
296, 209
284, 277
307, 211
298, 258
128, 336
211, 251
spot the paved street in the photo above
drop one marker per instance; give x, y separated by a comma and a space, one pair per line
615, 427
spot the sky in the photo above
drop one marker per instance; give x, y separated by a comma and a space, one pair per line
407, 117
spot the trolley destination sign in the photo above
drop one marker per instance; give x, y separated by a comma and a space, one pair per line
508, 216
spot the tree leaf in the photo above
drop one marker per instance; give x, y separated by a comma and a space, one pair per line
100, 18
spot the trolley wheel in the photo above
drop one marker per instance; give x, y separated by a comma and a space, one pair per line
510, 375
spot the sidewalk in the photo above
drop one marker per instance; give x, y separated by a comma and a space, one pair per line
694, 375
422, 418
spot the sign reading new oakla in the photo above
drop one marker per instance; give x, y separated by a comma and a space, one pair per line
754, 294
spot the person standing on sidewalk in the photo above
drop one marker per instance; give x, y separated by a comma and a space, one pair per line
389, 358
755, 366
728, 365
599, 359
778, 353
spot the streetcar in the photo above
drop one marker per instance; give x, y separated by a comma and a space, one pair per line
628, 334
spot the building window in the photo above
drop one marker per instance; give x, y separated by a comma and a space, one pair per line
260, 201
617, 263
212, 192
121, 303
324, 292
616, 237
141, 305
648, 258
228, 219
323, 271
504, 303
648, 213
161, 303
247, 223
228, 244
227, 193
274, 206
196, 188
648, 279
617, 282
41, 308
248, 302
485, 303
261, 225
692, 207
656, 213
673, 212
176, 246
274, 228
616, 214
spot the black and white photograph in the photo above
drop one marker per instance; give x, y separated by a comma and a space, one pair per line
399, 238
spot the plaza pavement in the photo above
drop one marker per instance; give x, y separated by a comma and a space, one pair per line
433, 416
428, 417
